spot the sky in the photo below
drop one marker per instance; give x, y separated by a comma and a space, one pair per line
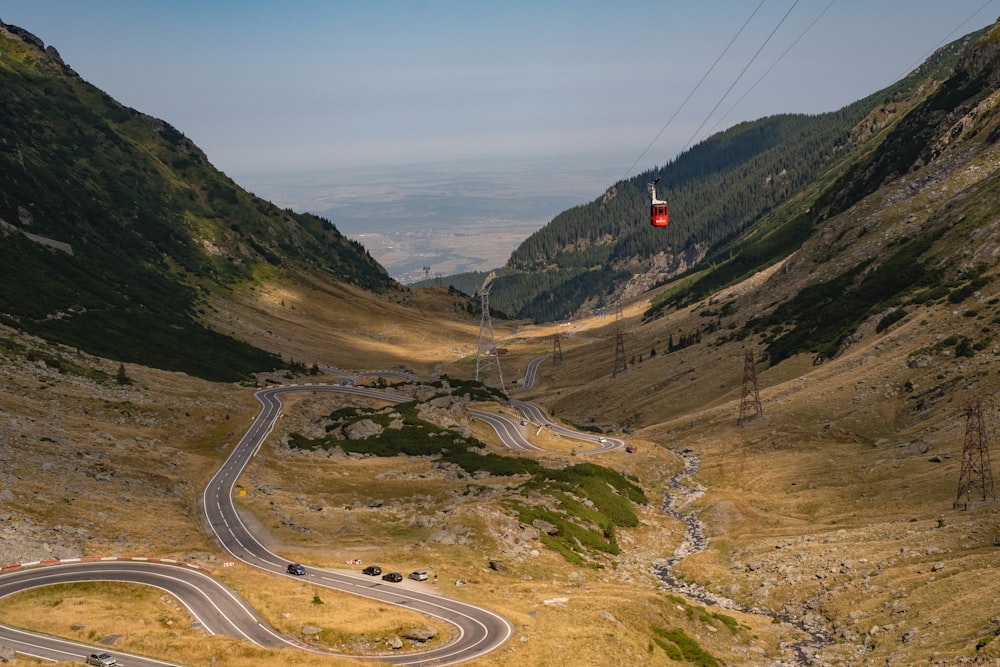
272, 88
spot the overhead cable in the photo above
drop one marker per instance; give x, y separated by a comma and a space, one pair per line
693, 91
745, 68
768, 71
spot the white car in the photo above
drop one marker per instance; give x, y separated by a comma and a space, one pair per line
101, 660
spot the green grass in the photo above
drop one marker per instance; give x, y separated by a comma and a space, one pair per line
679, 646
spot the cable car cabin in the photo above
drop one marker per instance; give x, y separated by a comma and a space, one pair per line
658, 215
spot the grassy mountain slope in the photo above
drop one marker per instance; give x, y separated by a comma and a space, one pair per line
119, 225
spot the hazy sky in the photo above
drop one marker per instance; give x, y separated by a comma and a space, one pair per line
298, 85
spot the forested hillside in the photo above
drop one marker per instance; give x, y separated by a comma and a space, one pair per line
718, 190
115, 224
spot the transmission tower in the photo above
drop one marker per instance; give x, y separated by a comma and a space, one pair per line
620, 364
556, 350
975, 482
750, 401
487, 344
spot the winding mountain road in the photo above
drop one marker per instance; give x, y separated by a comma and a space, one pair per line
479, 630
212, 604
221, 611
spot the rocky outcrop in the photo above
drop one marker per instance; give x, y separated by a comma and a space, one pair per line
360, 430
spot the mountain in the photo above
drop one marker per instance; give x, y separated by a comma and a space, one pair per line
119, 226
835, 526
898, 241
749, 177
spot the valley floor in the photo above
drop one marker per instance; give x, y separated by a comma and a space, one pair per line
821, 534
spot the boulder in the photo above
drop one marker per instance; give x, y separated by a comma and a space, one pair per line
420, 634
545, 526
360, 430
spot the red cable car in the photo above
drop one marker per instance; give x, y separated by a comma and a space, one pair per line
658, 214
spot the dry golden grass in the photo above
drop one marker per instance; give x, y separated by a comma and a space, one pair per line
337, 325
822, 498
125, 618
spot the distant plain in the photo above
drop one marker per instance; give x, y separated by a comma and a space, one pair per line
452, 217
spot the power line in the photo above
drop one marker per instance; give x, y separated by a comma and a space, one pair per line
693, 91
943, 41
768, 71
809, 27
737, 80
752, 60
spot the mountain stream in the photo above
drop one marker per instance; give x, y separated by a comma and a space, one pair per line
682, 491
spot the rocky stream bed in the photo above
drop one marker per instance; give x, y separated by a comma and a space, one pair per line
683, 490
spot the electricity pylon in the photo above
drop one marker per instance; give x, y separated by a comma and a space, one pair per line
620, 364
975, 482
750, 400
487, 344
556, 350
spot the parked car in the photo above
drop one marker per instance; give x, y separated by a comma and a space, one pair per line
394, 577
372, 570
101, 660
419, 575
296, 569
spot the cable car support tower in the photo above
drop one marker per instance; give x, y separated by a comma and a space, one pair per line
487, 343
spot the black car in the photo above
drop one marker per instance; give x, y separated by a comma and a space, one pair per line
395, 577
296, 569
372, 570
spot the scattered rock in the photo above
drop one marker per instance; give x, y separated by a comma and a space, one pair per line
545, 526
420, 634
362, 429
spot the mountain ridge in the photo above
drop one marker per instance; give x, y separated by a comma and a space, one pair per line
153, 226
590, 255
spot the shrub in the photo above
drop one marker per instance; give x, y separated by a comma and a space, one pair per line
689, 649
